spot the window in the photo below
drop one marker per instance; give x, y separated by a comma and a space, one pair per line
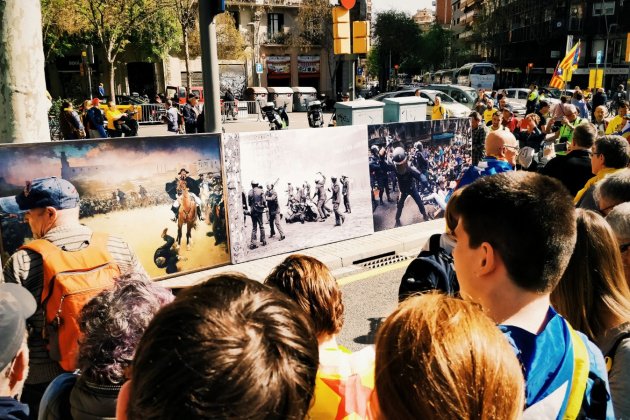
275, 23
522, 95
604, 8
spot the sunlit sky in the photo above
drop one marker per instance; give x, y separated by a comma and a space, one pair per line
409, 6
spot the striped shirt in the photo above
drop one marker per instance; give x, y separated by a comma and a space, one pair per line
25, 267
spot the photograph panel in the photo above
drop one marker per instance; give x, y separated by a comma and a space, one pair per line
136, 189
298, 188
413, 168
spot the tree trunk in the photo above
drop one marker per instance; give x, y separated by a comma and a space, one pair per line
110, 66
22, 80
187, 60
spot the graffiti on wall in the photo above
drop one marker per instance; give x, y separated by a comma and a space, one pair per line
233, 76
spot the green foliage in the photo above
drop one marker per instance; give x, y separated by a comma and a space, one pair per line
436, 45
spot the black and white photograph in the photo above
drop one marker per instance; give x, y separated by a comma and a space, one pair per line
294, 190
163, 195
413, 168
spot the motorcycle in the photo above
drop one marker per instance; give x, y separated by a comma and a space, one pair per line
315, 115
277, 117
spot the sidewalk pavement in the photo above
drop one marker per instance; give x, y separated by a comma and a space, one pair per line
339, 256
296, 120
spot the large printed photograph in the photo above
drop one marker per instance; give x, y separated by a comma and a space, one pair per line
413, 168
163, 196
290, 190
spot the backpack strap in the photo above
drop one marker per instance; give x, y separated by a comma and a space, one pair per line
56, 260
610, 356
581, 364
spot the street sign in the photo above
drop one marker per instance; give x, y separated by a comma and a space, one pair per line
259, 68
359, 71
600, 54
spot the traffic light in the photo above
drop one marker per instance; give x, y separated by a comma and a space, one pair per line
360, 37
341, 30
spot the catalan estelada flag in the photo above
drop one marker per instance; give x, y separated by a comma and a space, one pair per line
557, 81
344, 384
570, 61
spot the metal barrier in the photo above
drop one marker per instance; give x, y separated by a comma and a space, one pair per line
152, 113
244, 110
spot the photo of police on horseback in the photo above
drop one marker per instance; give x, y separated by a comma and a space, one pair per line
417, 160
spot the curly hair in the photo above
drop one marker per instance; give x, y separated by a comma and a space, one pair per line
112, 324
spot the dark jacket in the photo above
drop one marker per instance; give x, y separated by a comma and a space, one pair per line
70, 124
599, 99
572, 169
12, 409
190, 118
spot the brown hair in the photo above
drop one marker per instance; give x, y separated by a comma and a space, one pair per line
227, 348
310, 284
451, 214
534, 116
593, 286
439, 357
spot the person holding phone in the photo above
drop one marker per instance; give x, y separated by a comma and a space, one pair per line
569, 122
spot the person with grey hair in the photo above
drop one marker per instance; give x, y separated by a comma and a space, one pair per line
609, 155
111, 324
16, 305
570, 120
612, 190
619, 220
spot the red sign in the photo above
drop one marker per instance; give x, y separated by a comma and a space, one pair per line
348, 4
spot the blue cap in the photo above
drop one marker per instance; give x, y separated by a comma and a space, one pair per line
44, 192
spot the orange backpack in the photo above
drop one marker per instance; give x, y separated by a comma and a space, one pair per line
71, 279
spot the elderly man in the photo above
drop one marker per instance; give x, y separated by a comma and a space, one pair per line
51, 207
612, 190
599, 121
619, 220
515, 235
610, 154
570, 120
574, 168
16, 306
501, 152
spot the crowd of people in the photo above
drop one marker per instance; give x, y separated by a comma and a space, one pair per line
539, 326
95, 121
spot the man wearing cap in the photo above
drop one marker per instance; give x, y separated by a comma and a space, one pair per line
191, 112
345, 191
16, 306
174, 193
51, 209
336, 200
96, 120
257, 206
509, 121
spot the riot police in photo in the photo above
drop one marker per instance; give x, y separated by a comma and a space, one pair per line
271, 197
345, 191
336, 200
405, 173
378, 174
320, 192
257, 206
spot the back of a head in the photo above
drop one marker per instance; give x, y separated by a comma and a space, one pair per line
227, 348
528, 218
593, 286
619, 221
615, 150
613, 189
311, 285
112, 324
584, 135
439, 357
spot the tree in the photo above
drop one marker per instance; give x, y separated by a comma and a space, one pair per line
314, 28
398, 41
230, 42
436, 47
62, 27
117, 23
187, 16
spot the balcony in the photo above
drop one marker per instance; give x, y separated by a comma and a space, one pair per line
279, 38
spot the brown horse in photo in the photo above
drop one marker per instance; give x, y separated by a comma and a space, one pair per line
187, 213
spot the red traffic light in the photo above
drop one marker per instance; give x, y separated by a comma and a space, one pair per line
348, 4
395, 66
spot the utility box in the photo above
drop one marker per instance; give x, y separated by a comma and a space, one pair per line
405, 109
281, 96
359, 112
302, 96
258, 94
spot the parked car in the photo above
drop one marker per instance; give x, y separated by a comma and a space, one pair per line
465, 95
455, 109
520, 95
178, 94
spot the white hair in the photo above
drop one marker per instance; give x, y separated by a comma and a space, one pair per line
619, 220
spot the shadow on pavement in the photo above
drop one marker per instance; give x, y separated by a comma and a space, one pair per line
370, 337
